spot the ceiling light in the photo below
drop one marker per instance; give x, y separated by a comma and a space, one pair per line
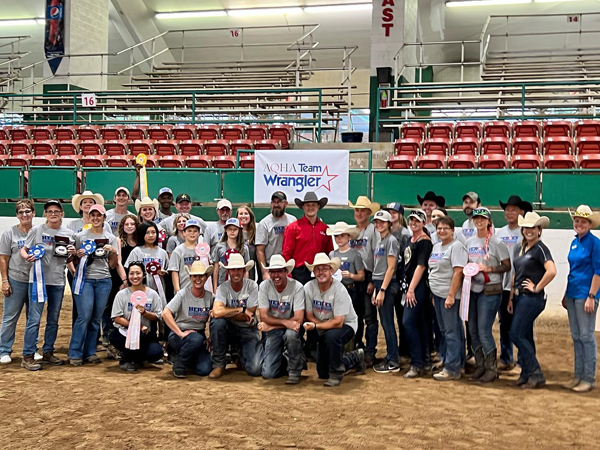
339, 8
554, 1
485, 2
262, 11
22, 22
189, 14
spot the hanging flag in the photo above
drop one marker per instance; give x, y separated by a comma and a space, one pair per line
54, 43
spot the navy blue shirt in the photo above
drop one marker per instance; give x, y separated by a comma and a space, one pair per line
584, 262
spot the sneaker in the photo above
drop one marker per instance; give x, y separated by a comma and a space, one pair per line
93, 359
76, 362
386, 367
414, 372
332, 382
49, 358
216, 373
6, 359
361, 367
570, 385
37, 357
444, 375
127, 367
30, 364
179, 373
584, 386
293, 379
113, 353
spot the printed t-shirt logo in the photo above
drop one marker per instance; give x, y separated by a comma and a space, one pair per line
188, 260
239, 302
148, 306
379, 252
407, 255
468, 232
278, 230
345, 265
436, 257
298, 175
280, 306
198, 313
21, 243
47, 240
510, 240
322, 307
479, 251
358, 244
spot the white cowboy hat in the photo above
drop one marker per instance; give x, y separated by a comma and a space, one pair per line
321, 259
343, 228
533, 219
198, 268
279, 262
586, 212
363, 202
78, 198
146, 201
236, 261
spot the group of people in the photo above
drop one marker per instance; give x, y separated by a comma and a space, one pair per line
160, 286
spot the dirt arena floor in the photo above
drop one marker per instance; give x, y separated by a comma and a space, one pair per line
99, 406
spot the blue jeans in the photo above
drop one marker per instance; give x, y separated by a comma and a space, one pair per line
452, 345
251, 354
32, 327
482, 313
150, 350
584, 341
274, 342
331, 362
527, 307
191, 353
416, 328
386, 315
13, 305
90, 306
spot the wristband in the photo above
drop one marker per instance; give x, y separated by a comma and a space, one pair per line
590, 295
4, 281
382, 289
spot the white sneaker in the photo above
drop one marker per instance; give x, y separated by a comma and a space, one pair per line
6, 359
37, 357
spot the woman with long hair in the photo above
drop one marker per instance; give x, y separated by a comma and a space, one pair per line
231, 241
248, 221
147, 210
178, 236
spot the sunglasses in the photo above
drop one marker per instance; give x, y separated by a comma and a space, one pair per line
24, 212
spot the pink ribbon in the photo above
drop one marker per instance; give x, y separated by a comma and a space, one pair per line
135, 321
469, 271
202, 251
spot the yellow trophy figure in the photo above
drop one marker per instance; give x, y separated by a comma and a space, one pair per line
141, 160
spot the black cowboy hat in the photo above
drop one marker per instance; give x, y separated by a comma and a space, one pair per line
311, 197
516, 201
430, 195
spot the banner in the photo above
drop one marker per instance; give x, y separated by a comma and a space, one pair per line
54, 43
297, 172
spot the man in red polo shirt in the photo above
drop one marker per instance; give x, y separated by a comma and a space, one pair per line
306, 237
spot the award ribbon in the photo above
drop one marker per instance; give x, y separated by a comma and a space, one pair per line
153, 267
202, 251
142, 159
39, 286
88, 247
469, 271
135, 321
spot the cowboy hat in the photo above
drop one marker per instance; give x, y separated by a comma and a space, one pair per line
586, 212
533, 219
78, 198
146, 201
343, 228
430, 195
198, 268
278, 262
515, 200
363, 202
323, 259
236, 261
311, 197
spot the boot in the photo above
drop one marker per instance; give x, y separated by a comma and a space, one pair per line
491, 367
30, 364
480, 363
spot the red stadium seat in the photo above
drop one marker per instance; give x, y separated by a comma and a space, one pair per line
65, 148
462, 161
216, 147
112, 132
115, 148
43, 148
172, 161
240, 144
398, 162
141, 146
20, 147
163, 148
151, 161
527, 128
495, 145
191, 147
526, 162
247, 162
4, 147
42, 160
434, 161
590, 161
42, 133
409, 147
119, 160
526, 146
184, 132
559, 162
18, 160
438, 146
233, 132
198, 161
282, 133
65, 133
257, 132
4, 135
587, 145
67, 160
136, 132
553, 128
493, 161
162, 132
208, 132
224, 162
468, 129
92, 161
559, 145
585, 128
91, 147
267, 144
89, 132
413, 130
19, 133
496, 129
465, 146
440, 130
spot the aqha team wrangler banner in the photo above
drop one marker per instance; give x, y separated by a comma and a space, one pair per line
296, 172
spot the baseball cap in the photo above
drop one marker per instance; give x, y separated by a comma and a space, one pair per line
280, 195
98, 208
192, 223
418, 214
183, 198
482, 212
473, 196
124, 189
165, 190
49, 203
395, 206
224, 204
232, 221
382, 214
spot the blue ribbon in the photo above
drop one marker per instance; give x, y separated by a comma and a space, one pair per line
38, 292
88, 247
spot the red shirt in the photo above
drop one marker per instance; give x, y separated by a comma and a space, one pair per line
303, 240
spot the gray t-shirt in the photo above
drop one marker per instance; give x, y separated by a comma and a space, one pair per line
430, 227
11, 243
498, 251
98, 269
213, 233
113, 219
53, 266
190, 312
350, 261
442, 261
162, 216
364, 244
335, 301
248, 295
76, 226
217, 254
180, 258
122, 307
512, 239
167, 224
173, 242
281, 305
269, 232
146, 255
383, 248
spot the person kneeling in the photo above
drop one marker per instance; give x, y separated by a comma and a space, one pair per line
234, 318
281, 304
186, 315
149, 350
329, 310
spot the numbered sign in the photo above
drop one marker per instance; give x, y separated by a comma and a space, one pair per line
88, 99
235, 33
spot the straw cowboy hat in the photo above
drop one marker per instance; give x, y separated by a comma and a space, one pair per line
343, 228
311, 197
533, 219
198, 268
236, 261
278, 262
363, 202
323, 259
78, 198
586, 212
146, 201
